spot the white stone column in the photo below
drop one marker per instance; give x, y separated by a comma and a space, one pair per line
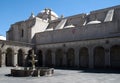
24, 58
91, 58
53, 57
77, 57
3, 56
107, 57
15, 59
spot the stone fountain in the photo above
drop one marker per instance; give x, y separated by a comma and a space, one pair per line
32, 71
33, 61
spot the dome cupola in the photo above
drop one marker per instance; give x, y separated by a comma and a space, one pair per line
47, 14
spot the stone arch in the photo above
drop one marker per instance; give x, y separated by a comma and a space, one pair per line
115, 56
70, 57
9, 57
0, 58
99, 57
20, 57
39, 58
48, 58
83, 57
59, 57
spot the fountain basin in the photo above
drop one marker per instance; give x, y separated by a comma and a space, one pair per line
25, 72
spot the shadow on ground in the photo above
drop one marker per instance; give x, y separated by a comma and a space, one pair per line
9, 75
107, 71
86, 70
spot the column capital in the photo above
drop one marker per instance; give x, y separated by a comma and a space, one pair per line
53, 50
3, 52
91, 47
15, 53
77, 49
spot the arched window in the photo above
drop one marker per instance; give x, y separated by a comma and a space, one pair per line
22, 33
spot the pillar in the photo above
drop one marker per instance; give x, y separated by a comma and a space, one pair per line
53, 57
43, 51
107, 57
3, 56
91, 57
64, 57
77, 57
24, 58
15, 59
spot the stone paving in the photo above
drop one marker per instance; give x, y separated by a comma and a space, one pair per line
65, 76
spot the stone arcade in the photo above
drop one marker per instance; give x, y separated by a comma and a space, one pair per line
83, 40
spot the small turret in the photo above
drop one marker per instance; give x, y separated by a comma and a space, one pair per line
32, 16
62, 16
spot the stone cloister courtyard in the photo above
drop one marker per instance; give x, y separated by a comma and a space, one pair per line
65, 76
80, 41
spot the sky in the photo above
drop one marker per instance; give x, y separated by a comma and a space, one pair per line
12, 11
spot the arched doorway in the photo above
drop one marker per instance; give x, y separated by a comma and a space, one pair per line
59, 58
99, 57
115, 56
0, 58
48, 58
20, 57
9, 57
39, 58
83, 57
70, 57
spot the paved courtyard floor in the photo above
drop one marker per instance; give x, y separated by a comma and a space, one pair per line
65, 76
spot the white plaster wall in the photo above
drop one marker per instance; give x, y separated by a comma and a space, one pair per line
39, 26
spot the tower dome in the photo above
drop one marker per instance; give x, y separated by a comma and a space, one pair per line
49, 11
47, 14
